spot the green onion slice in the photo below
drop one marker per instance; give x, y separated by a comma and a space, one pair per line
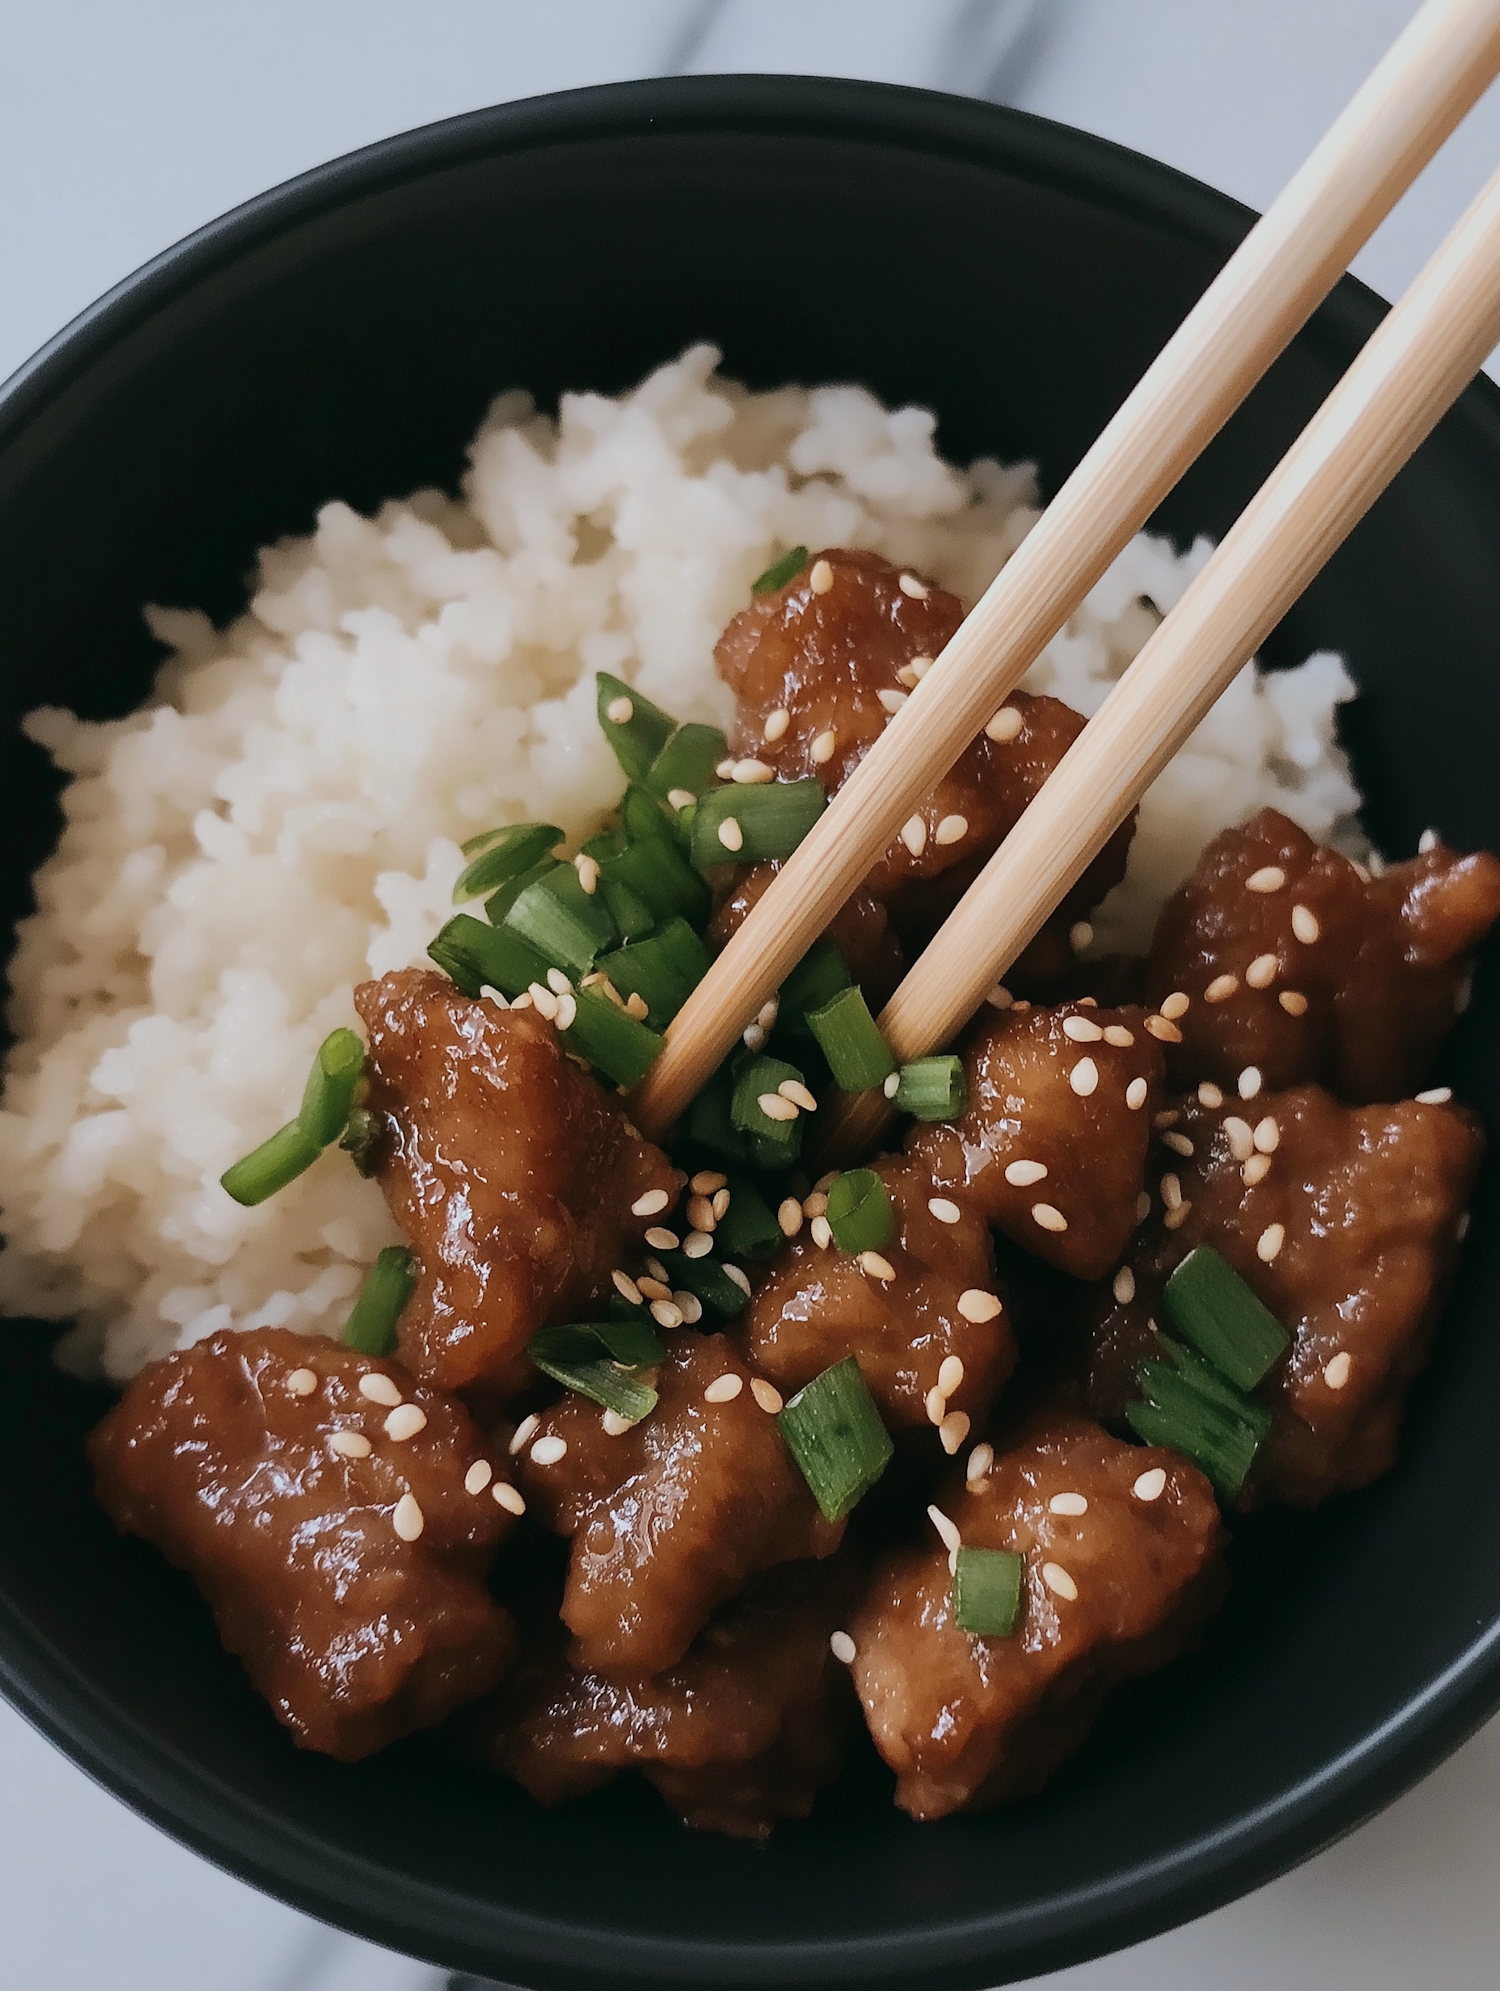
707, 1128
656, 870
1210, 1303
987, 1591
329, 1093
361, 1140
371, 1327
687, 762
748, 1228
778, 1142
706, 1277
578, 1356
477, 956
849, 1038
505, 854
662, 970
833, 1430
859, 1212
567, 926
932, 1088
817, 978
780, 572
620, 1046
638, 735
632, 916
272, 1165
1192, 1409
748, 824
500, 901
646, 818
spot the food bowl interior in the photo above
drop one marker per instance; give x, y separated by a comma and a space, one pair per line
343, 338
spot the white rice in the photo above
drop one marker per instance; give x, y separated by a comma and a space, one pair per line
283, 819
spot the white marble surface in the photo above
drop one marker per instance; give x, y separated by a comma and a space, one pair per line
125, 123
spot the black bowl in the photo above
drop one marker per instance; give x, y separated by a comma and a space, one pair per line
343, 336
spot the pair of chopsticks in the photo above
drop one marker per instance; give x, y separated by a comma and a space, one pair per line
1409, 373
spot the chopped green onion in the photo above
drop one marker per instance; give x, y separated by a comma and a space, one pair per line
817, 978
686, 817
932, 1088
687, 761
629, 1340
748, 1228
859, 1212
1206, 1381
618, 1045
329, 1093
987, 1591
371, 1327
707, 1126
663, 970
477, 956
272, 1165
499, 903
506, 854
748, 823
656, 870
706, 1277
567, 926
1210, 1303
780, 572
638, 735
1192, 1409
646, 817
857, 1054
777, 1141
578, 1357
361, 1140
629, 911
833, 1430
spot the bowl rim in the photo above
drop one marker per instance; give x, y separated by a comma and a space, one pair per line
180, 1795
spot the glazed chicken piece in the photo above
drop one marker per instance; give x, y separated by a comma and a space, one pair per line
860, 929
674, 1514
1345, 1221
1122, 1550
1053, 1142
511, 1171
819, 667
937, 1317
1279, 955
338, 1516
743, 1731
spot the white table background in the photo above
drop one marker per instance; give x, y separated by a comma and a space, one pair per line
126, 123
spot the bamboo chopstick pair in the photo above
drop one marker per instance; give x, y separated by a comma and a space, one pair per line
1409, 373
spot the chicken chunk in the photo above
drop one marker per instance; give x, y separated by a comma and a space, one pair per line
860, 929
819, 667
1345, 1221
338, 1516
1122, 1551
743, 1731
815, 1304
510, 1170
674, 1514
1297, 965
1053, 1142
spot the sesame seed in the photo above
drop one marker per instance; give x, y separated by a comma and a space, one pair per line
891, 1085
523, 1433
936, 1405
626, 1287
822, 747
478, 1477
1262, 971
1084, 1077
680, 798
1178, 1143
1082, 1029
753, 1037
948, 1533
1071, 1504
794, 1090
588, 871
1221, 988
666, 1313
724, 1389
914, 835
814, 1205
1124, 1286
1267, 1135
697, 1244
977, 1305
1119, 1036
1143, 1206
1240, 1136
651, 1204
1168, 1117
708, 1182
1305, 925
1461, 1228
1022, 1174
547, 1451
1337, 1372
821, 577
507, 1496
752, 773
1059, 1582
952, 829
1079, 935
1463, 995
1176, 1005
877, 1267
1293, 1002
700, 1213
766, 1395
1209, 1095
567, 1012
1255, 1170
919, 667
891, 700
1174, 1219
1151, 1485
1135, 1094
558, 982
776, 723
1047, 1217
766, 1017
821, 1232
789, 1216
689, 1306
733, 1272
619, 711
910, 585
1005, 725
350, 1444
1269, 1243
655, 1287
731, 835
661, 1239
951, 1375
380, 1388
953, 1430
945, 1211
1249, 1082
1171, 1191
842, 1648
1162, 1030
522, 1001
906, 675
407, 1519
1437, 1095
980, 1460
405, 1421
1270, 878
544, 1000
725, 768
775, 1107
492, 994
1427, 842
614, 1425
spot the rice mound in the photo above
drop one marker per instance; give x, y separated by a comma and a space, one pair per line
283, 818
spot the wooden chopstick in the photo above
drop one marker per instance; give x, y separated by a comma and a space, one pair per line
1287, 263
1410, 372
